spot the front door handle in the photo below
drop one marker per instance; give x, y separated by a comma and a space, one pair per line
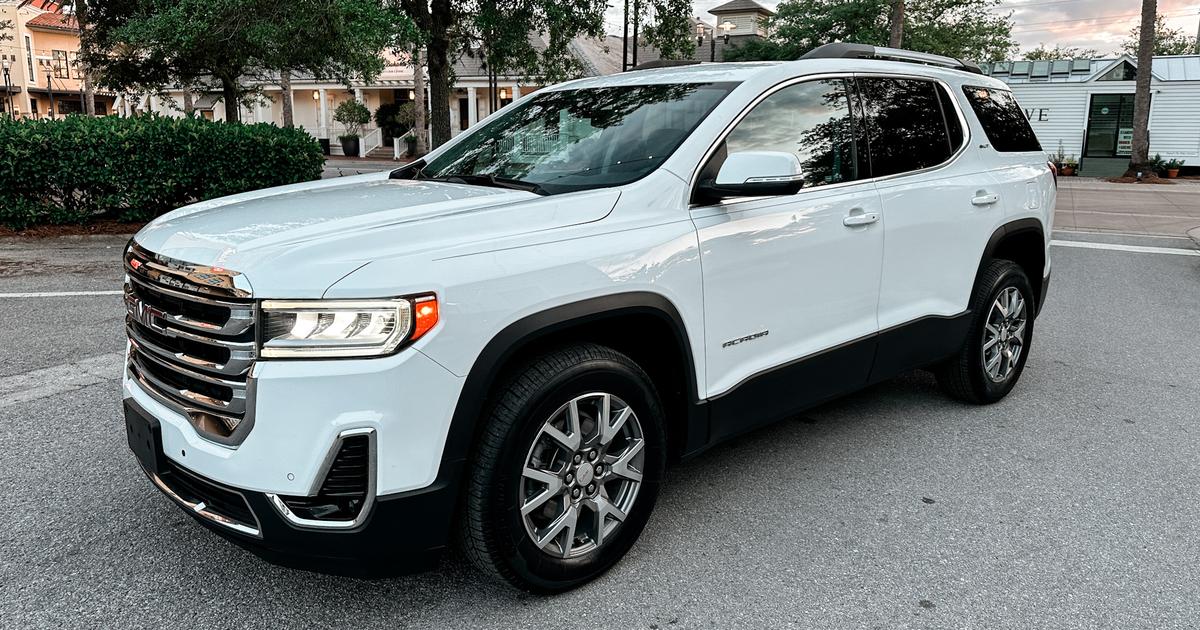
985, 199
865, 218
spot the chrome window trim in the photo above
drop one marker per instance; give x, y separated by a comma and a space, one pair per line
954, 157
319, 479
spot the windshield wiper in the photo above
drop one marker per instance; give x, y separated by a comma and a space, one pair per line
493, 181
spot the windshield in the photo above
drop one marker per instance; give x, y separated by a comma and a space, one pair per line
563, 141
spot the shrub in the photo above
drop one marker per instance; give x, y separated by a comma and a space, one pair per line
395, 118
353, 115
134, 169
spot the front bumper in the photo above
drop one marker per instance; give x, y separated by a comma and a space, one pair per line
397, 533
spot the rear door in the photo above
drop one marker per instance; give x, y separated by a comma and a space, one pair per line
940, 208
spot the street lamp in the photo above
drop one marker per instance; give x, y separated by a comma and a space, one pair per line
8, 88
727, 26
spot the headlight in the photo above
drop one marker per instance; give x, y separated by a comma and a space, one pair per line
343, 328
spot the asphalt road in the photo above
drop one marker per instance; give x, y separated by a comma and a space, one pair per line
1074, 503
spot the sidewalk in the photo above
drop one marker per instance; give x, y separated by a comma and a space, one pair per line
1094, 205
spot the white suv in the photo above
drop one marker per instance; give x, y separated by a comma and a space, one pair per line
506, 342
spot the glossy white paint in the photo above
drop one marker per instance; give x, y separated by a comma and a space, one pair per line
787, 265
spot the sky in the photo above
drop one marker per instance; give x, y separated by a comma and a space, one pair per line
1098, 24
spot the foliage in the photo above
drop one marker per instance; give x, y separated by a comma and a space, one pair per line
395, 118
964, 29
73, 169
353, 115
1173, 164
145, 45
671, 31
1041, 53
499, 30
1167, 40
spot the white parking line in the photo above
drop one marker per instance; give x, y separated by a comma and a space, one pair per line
49, 294
60, 379
1142, 249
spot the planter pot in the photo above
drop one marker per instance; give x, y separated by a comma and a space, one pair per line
349, 146
324, 142
1172, 173
1067, 171
411, 147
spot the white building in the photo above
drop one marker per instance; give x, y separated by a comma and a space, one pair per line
1086, 106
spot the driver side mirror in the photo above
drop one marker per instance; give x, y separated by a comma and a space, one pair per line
754, 174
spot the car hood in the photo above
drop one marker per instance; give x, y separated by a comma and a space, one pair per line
297, 240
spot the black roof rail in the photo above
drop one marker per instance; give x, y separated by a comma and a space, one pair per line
664, 63
847, 50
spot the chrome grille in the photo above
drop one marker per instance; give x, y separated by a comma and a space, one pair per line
192, 339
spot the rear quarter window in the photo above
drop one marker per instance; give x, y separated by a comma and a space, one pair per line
1002, 119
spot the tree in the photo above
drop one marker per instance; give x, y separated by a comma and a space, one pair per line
670, 29
148, 45
1167, 40
964, 29
1041, 53
896, 25
1141, 94
419, 114
498, 30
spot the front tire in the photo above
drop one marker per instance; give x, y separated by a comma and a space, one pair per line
567, 469
993, 356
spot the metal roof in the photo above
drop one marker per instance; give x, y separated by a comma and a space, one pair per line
1165, 68
740, 6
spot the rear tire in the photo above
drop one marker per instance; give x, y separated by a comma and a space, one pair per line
536, 469
993, 356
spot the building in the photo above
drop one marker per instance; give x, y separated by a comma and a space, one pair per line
40, 53
1085, 106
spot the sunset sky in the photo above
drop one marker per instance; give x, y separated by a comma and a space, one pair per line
1099, 24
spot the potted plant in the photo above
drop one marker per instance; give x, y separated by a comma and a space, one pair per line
410, 143
353, 115
394, 119
1158, 165
1059, 158
1068, 166
1172, 166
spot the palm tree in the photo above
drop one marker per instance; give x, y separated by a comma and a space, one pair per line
1141, 97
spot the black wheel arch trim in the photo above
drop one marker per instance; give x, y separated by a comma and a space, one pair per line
1019, 226
488, 366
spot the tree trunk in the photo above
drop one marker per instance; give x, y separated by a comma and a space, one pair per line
89, 94
1141, 98
419, 103
441, 24
896, 35
229, 93
285, 83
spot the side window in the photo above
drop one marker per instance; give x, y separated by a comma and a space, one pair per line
907, 130
1002, 119
810, 120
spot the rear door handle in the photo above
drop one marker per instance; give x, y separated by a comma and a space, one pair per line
985, 200
865, 218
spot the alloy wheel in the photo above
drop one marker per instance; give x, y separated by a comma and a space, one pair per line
1004, 334
582, 474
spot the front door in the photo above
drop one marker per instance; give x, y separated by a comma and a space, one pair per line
1109, 126
790, 282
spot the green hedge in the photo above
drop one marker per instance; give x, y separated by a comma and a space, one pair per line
134, 169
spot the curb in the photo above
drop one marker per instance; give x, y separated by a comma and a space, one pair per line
1194, 233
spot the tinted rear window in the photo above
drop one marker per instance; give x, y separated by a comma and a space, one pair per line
1002, 119
907, 130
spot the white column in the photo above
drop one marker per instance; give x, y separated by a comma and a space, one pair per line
472, 108
516, 93
324, 113
152, 103
358, 95
258, 111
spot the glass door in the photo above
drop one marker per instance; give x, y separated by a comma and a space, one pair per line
1110, 126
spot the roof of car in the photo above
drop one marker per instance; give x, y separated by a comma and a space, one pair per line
743, 71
